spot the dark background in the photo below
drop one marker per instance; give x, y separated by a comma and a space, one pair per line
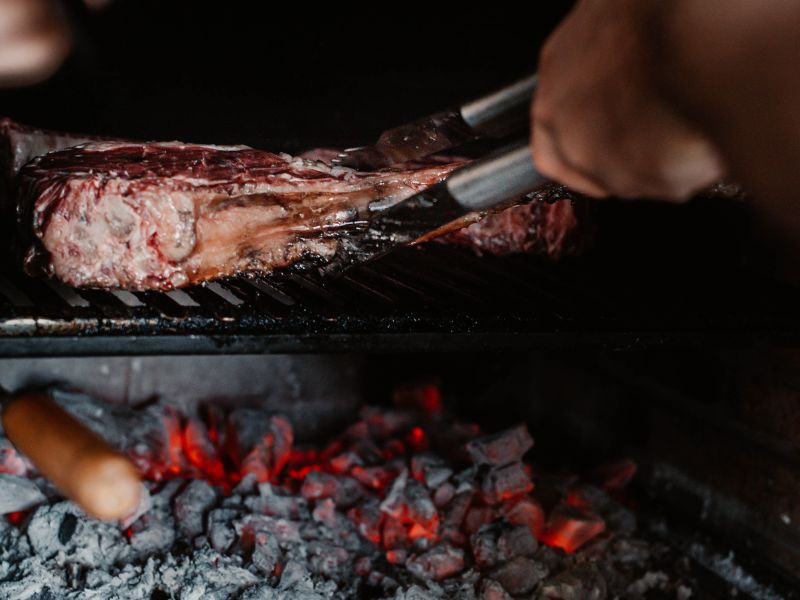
285, 76
294, 76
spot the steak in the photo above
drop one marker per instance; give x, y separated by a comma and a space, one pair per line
161, 215
20, 143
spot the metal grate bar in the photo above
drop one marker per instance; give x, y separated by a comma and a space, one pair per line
127, 298
210, 303
224, 293
430, 294
271, 291
181, 298
16, 296
107, 303
68, 294
46, 302
408, 293
325, 294
381, 297
256, 299
438, 286
162, 303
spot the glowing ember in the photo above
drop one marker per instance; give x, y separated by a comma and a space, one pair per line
425, 396
385, 495
569, 528
615, 476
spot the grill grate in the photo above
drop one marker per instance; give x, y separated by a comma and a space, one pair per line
433, 298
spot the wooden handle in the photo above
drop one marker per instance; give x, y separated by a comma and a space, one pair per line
80, 464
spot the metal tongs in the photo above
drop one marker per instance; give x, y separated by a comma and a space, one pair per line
482, 184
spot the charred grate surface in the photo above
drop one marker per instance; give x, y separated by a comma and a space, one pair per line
436, 297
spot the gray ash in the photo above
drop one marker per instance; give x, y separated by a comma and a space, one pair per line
404, 504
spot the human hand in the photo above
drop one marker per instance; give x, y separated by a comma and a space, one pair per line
34, 40
600, 124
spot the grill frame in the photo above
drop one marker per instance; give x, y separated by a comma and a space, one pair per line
432, 298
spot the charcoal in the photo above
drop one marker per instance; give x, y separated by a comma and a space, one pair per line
246, 427
260, 591
84, 541
395, 500
478, 516
264, 591
649, 582
11, 461
382, 423
347, 493
29, 578
200, 451
570, 527
409, 500
191, 505
343, 490
456, 510
368, 451
67, 528
438, 563
267, 553
397, 557
499, 542
272, 501
345, 461
616, 516
327, 559
269, 454
520, 575
454, 516
506, 482
416, 593
394, 534
18, 493
430, 469
582, 582
373, 514
484, 546
420, 507
234, 501
516, 541
363, 566
286, 532
325, 512
247, 485
525, 511
465, 480
154, 533
501, 448
443, 494
492, 590
207, 575
162, 499
368, 518
551, 558
221, 532
376, 478
464, 586
295, 577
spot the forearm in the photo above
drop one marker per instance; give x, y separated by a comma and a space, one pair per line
733, 68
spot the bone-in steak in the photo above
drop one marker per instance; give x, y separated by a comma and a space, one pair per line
163, 215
